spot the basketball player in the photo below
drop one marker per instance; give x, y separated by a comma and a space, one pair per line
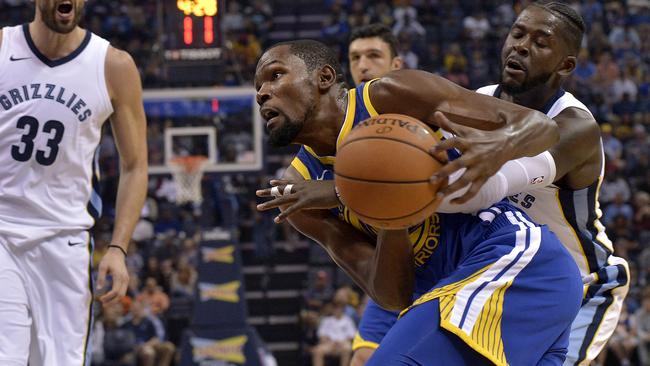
58, 84
372, 53
533, 72
485, 265
538, 55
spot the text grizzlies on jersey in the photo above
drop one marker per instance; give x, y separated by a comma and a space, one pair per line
53, 92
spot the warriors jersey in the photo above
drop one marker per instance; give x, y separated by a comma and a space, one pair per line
424, 236
51, 114
572, 214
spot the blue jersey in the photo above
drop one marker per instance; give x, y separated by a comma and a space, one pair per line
474, 273
426, 237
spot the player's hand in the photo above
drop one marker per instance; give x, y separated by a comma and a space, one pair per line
114, 264
483, 153
302, 195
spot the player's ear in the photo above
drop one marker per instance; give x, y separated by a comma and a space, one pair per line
567, 66
326, 77
397, 63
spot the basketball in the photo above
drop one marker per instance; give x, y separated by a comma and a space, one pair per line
382, 171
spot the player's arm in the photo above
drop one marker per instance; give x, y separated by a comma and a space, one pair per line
574, 162
384, 270
578, 153
502, 131
129, 129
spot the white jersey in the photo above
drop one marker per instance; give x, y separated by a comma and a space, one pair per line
51, 115
573, 215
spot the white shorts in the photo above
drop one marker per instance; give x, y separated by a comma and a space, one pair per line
598, 316
46, 301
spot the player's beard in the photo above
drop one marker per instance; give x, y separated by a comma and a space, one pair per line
527, 85
285, 134
48, 16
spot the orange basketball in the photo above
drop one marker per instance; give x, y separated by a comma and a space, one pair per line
383, 168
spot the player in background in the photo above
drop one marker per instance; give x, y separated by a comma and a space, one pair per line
372, 53
303, 98
58, 84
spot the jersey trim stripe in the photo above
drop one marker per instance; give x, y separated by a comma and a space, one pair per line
301, 168
87, 348
366, 99
359, 342
566, 200
349, 117
95, 205
58, 62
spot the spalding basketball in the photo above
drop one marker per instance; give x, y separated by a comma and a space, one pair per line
383, 168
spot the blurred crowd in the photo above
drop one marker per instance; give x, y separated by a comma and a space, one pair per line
459, 40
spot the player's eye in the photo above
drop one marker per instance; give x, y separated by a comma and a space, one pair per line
516, 34
541, 44
276, 75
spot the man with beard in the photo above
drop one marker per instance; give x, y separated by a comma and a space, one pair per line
58, 85
538, 55
474, 274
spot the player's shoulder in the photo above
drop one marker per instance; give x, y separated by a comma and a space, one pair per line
118, 60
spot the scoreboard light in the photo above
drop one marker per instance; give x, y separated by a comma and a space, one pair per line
193, 30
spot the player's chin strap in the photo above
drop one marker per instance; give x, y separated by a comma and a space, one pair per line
516, 176
275, 191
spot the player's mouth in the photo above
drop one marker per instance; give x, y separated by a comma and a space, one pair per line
65, 11
271, 116
514, 67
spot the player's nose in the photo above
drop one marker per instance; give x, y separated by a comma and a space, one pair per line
521, 47
262, 94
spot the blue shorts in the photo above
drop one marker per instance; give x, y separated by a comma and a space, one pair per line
511, 299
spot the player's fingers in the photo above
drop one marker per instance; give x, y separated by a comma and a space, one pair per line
266, 192
443, 122
471, 192
457, 143
101, 275
461, 182
277, 202
447, 170
277, 182
110, 297
290, 210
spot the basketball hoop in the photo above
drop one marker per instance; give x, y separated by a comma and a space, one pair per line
187, 172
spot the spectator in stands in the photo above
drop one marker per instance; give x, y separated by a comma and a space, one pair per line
183, 280
613, 186
118, 343
335, 334
319, 292
642, 318
618, 207
150, 348
153, 296
406, 19
624, 341
476, 26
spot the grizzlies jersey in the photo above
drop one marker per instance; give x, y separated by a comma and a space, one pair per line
51, 114
573, 215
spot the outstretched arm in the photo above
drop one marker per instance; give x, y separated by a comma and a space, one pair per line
501, 131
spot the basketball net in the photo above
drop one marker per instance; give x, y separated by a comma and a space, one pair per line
187, 172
